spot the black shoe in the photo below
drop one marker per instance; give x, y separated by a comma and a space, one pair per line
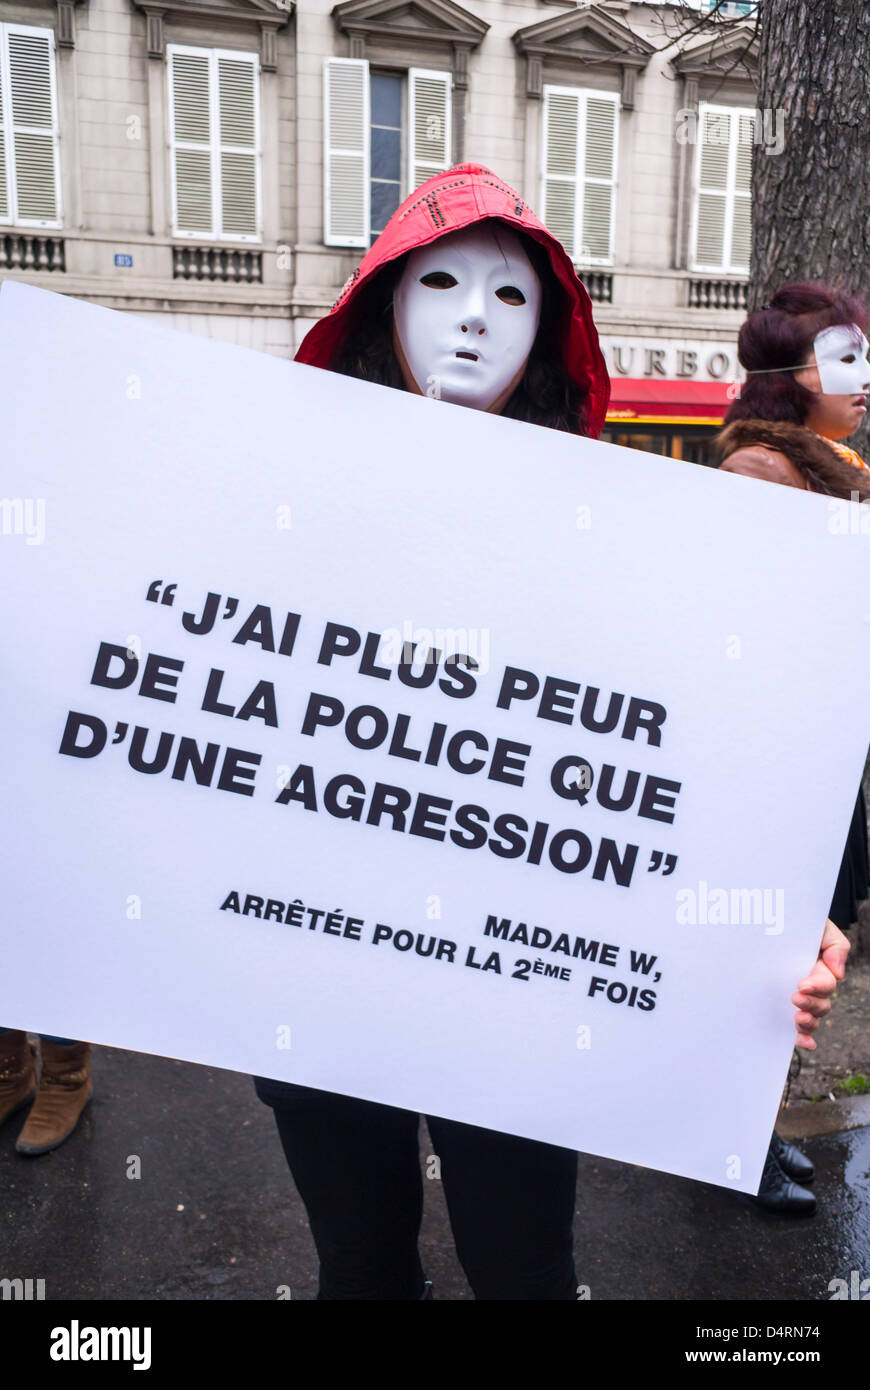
779, 1193
795, 1164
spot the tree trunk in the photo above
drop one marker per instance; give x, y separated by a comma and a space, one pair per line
811, 202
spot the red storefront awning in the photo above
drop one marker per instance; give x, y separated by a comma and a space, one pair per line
663, 401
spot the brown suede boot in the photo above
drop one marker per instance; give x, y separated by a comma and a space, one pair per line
17, 1073
64, 1091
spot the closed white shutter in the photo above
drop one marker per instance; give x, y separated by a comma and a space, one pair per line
599, 179
560, 195
346, 152
237, 106
722, 211
741, 216
429, 119
579, 170
4, 180
214, 138
29, 157
191, 139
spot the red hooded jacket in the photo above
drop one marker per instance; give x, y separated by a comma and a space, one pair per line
449, 202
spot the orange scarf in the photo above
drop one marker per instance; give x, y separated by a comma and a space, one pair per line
846, 453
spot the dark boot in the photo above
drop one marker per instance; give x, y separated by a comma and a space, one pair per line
793, 1163
64, 1091
779, 1193
17, 1073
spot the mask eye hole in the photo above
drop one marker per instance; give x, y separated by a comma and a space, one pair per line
438, 280
509, 294
849, 358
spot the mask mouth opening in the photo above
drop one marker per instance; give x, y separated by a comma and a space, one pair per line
472, 356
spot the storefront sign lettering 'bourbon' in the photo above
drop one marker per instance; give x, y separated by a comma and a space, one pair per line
673, 359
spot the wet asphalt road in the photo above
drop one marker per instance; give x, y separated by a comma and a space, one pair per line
215, 1215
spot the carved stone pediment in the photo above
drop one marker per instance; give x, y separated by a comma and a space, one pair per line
583, 39
266, 15
427, 22
732, 54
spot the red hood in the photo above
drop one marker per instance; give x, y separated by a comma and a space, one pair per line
449, 202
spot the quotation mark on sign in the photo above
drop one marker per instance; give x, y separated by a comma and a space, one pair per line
154, 589
670, 862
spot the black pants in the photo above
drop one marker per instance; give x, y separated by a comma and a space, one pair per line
357, 1167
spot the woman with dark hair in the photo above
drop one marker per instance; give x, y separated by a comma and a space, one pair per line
467, 297
807, 375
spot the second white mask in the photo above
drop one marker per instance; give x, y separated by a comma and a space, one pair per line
841, 357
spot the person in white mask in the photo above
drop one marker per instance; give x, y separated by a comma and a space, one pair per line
465, 297
466, 314
807, 377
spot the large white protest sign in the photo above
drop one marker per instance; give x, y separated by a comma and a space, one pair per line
558, 875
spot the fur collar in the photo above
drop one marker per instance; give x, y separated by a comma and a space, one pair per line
821, 465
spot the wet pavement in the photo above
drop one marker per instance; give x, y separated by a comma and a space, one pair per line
214, 1214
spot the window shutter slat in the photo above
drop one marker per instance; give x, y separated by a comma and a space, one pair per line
600, 157
741, 236
561, 135
600, 138
30, 80
29, 169
34, 177
237, 106
561, 120
193, 190
239, 193
191, 125
237, 102
745, 145
711, 229
429, 118
4, 184
715, 139
191, 108
597, 205
346, 151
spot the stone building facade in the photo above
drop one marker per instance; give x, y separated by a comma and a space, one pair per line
223, 164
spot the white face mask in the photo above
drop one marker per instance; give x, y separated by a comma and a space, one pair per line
841, 357
466, 311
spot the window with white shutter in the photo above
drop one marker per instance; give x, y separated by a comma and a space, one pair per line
29, 155
385, 133
721, 215
429, 122
214, 136
346, 152
580, 139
